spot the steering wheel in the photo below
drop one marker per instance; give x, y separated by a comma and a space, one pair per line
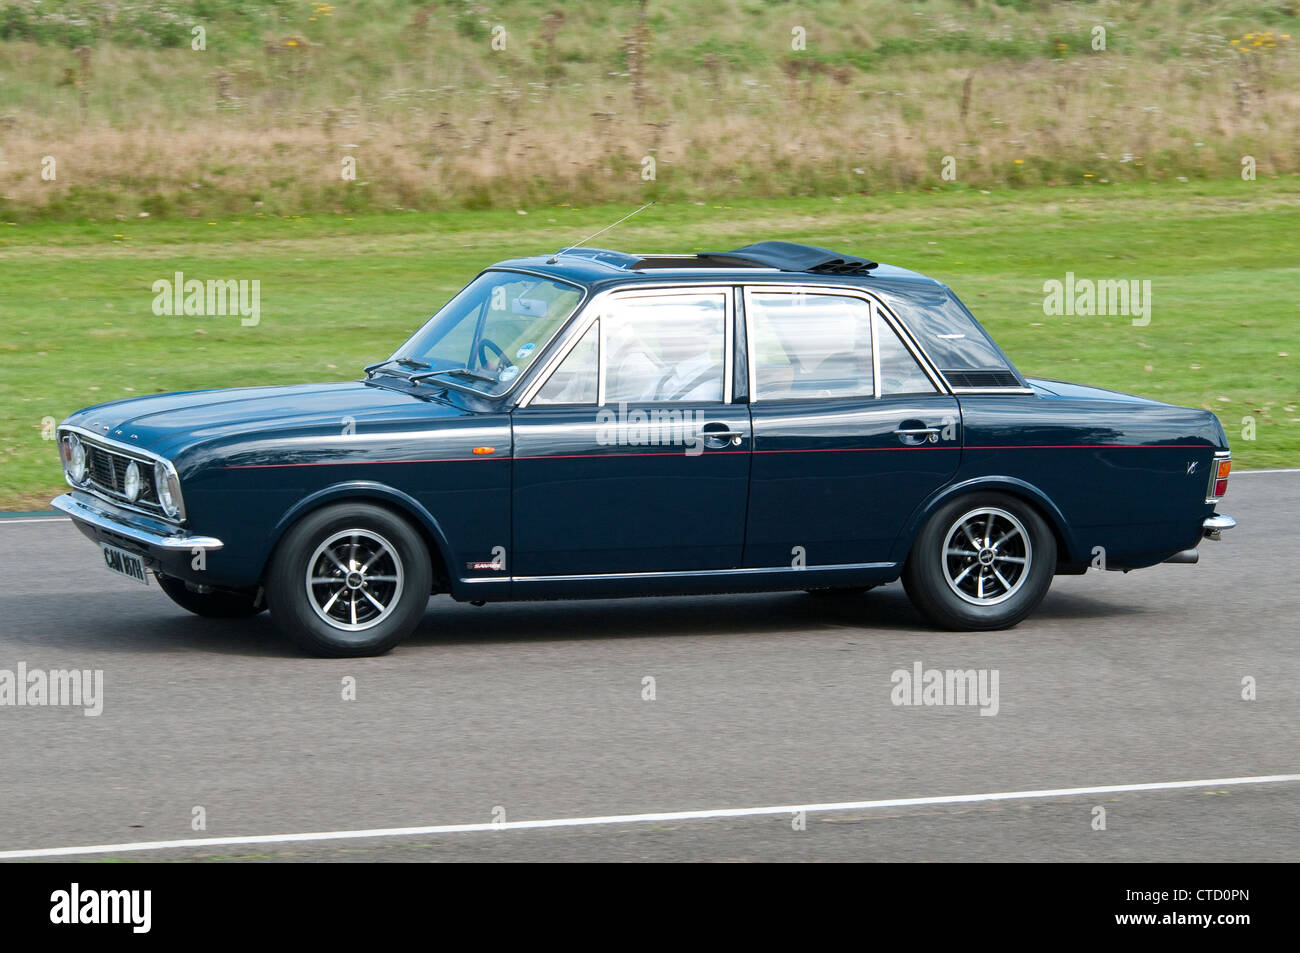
502, 361
685, 387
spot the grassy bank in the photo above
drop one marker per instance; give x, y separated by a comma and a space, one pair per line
76, 325
519, 102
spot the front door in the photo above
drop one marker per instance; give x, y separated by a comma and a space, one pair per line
631, 457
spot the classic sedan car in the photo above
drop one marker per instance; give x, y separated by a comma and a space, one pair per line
596, 424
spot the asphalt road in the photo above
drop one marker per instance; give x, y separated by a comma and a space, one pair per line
538, 709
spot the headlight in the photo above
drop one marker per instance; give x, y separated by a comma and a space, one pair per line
74, 460
131, 482
169, 490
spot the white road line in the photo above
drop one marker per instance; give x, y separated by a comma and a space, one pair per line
631, 818
35, 519
1278, 470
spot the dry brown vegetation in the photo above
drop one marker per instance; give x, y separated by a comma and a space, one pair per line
583, 95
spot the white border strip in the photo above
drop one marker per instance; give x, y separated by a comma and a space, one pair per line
191, 843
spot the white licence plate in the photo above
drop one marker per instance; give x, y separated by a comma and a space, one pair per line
125, 564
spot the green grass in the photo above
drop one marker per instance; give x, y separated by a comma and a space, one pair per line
76, 325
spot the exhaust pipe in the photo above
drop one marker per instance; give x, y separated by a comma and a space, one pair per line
1186, 556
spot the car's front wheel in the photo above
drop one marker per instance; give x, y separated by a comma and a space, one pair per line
351, 579
982, 561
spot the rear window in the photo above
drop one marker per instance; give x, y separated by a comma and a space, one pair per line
954, 340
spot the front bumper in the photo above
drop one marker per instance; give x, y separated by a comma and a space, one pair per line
1214, 526
106, 523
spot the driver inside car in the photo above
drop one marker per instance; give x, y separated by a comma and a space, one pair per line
692, 373
632, 369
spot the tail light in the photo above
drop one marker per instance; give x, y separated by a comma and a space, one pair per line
1222, 466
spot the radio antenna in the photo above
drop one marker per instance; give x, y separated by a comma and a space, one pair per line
552, 259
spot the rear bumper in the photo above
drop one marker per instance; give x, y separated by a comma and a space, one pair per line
1214, 526
1211, 528
163, 544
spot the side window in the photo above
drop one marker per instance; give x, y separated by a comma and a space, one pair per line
666, 348
810, 345
899, 372
575, 380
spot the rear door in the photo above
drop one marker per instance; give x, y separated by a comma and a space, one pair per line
851, 431
631, 457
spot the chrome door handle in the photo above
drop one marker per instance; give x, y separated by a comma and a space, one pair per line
919, 434
732, 436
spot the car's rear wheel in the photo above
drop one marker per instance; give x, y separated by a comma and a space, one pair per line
982, 561
213, 603
351, 579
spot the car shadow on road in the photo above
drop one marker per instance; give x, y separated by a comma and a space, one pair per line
885, 610
124, 626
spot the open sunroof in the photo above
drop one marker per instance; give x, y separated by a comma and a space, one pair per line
783, 256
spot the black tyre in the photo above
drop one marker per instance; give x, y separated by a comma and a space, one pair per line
982, 561
214, 604
349, 580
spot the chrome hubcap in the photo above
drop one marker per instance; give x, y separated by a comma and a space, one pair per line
986, 556
354, 580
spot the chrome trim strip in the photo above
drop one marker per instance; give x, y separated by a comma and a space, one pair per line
82, 512
993, 390
728, 346
875, 351
694, 573
602, 349
751, 352
1214, 525
127, 450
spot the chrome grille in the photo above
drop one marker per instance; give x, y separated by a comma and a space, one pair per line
107, 469
102, 471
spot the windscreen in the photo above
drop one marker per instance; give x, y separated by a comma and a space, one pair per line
493, 329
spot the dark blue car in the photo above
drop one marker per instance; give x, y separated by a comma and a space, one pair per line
599, 424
